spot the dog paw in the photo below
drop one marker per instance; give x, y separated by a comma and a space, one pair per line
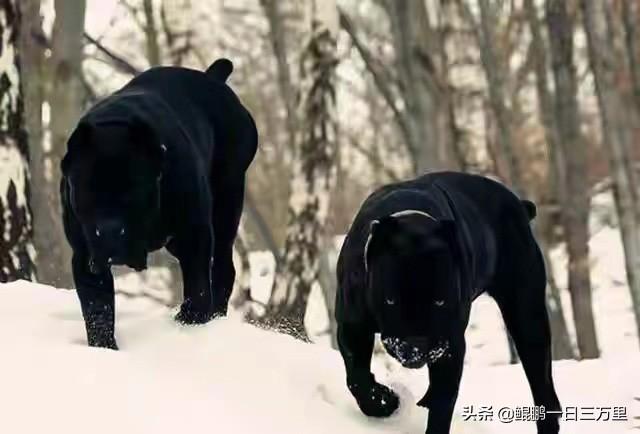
101, 342
188, 315
375, 399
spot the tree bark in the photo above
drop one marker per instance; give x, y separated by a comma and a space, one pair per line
286, 88
66, 97
573, 182
241, 297
314, 170
329, 286
16, 232
617, 133
176, 16
561, 344
151, 34
630, 16
33, 78
419, 64
496, 72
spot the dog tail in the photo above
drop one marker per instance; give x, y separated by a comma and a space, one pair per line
220, 70
529, 208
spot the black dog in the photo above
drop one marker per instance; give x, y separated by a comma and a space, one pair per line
161, 162
417, 255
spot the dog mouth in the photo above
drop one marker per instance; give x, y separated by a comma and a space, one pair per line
416, 353
409, 356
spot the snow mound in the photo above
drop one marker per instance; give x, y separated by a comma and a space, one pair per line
229, 377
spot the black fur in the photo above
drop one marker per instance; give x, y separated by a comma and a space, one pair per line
160, 163
412, 278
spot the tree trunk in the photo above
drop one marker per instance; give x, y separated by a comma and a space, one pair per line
496, 72
561, 344
329, 286
314, 167
66, 96
151, 34
419, 63
286, 88
33, 79
261, 225
176, 24
241, 297
617, 132
567, 163
630, 16
575, 212
16, 232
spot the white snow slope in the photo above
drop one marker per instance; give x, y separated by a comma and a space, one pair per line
228, 377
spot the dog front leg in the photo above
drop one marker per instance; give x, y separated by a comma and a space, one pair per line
444, 382
356, 347
97, 300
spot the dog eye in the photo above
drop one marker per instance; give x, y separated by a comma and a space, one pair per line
439, 303
390, 301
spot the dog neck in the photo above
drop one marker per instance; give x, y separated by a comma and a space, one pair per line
403, 213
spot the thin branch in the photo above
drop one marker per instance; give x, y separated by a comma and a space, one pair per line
119, 62
374, 159
381, 77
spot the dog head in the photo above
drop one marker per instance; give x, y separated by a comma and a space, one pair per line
113, 173
412, 283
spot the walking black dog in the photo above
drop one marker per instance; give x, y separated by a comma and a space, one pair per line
417, 255
161, 162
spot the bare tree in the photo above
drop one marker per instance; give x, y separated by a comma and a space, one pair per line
286, 87
575, 196
175, 18
417, 87
496, 71
617, 123
314, 166
34, 79
151, 34
241, 297
630, 11
557, 185
66, 96
16, 248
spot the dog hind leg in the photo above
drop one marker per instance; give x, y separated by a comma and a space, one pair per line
525, 315
227, 210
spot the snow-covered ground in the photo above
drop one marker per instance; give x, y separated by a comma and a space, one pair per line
229, 377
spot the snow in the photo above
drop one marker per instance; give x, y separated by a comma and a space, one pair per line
229, 377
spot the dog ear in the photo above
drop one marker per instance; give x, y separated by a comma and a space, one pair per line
79, 143
381, 235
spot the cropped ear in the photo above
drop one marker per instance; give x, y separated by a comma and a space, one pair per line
381, 233
79, 143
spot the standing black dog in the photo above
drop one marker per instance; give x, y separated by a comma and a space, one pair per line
160, 163
417, 255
